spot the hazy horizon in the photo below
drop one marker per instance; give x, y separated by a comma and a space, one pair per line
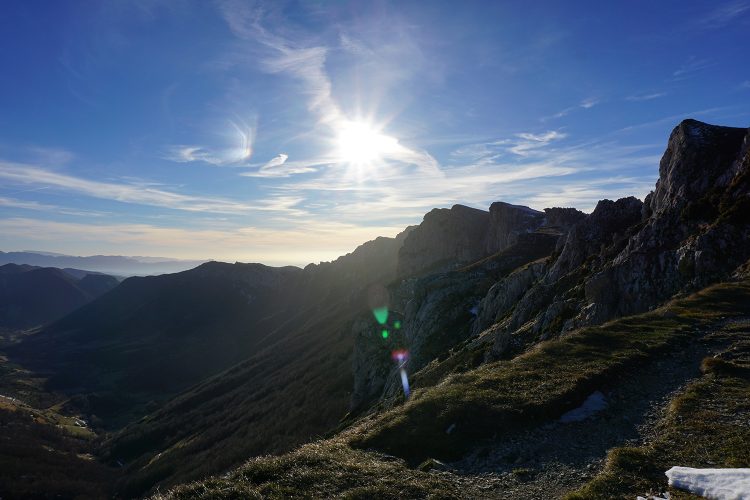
292, 132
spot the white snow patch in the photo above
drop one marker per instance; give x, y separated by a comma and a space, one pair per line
717, 484
664, 496
595, 403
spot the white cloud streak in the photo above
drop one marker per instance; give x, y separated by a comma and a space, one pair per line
587, 103
44, 207
645, 97
24, 174
724, 15
237, 155
278, 167
692, 66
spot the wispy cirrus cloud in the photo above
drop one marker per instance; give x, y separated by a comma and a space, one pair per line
236, 155
530, 142
522, 144
587, 103
44, 207
724, 14
691, 67
645, 97
304, 63
279, 167
24, 174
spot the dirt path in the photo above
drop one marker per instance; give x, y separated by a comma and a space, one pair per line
554, 459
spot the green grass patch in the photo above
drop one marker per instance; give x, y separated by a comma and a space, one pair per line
325, 469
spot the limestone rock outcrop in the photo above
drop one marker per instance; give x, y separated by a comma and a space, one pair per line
445, 236
506, 222
696, 227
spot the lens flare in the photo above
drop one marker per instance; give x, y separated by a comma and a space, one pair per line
381, 314
384, 334
401, 356
405, 383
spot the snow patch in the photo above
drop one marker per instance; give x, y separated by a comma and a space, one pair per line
717, 484
664, 496
595, 403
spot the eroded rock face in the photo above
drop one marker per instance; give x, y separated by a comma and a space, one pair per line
695, 232
562, 218
507, 222
462, 235
609, 220
445, 237
503, 295
438, 312
697, 157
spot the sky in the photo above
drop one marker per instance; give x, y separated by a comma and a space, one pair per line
291, 132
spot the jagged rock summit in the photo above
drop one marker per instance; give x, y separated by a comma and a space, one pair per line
462, 235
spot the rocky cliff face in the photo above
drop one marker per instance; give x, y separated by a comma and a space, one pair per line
695, 226
507, 222
435, 313
448, 238
562, 218
445, 237
627, 256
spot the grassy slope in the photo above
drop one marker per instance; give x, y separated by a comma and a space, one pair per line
320, 470
494, 399
543, 383
707, 425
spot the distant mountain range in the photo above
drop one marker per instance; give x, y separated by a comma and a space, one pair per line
109, 264
32, 296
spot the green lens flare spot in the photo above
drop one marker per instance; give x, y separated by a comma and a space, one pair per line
384, 334
397, 324
381, 314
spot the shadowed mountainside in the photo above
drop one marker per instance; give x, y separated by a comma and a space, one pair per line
32, 296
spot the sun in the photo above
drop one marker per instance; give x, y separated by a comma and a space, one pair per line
361, 143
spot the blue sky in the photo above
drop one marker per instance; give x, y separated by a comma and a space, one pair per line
291, 132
